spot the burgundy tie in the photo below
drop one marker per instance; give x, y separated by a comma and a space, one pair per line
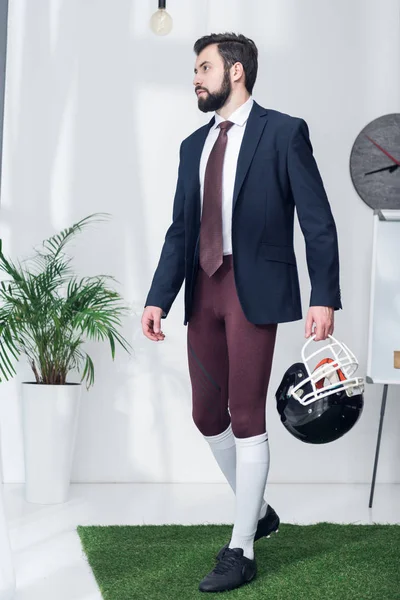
211, 247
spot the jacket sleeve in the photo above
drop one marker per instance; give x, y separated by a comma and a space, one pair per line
315, 219
170, 271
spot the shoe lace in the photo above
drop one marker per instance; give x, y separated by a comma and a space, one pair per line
227, 562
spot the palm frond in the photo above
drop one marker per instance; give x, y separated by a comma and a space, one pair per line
56, 243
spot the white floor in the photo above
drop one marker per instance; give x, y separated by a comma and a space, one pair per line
50, 563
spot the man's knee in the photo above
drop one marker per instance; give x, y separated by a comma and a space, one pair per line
244, 427
210, 424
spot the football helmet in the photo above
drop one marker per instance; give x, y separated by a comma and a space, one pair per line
320, 405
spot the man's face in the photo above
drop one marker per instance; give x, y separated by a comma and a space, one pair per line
211, 79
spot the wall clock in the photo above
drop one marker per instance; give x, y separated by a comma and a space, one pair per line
375, 162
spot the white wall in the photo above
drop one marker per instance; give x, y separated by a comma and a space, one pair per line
96, 107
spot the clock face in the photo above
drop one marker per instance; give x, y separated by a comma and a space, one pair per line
375, 162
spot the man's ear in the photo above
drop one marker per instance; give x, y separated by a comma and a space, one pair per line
237, 70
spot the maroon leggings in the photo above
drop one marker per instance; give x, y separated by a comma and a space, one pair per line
229, 358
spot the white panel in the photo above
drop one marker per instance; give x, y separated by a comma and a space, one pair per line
384, 333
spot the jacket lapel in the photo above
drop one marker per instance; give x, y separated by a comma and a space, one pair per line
196, 150
254, 128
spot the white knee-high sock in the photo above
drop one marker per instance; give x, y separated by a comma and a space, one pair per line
252, 466
223, 447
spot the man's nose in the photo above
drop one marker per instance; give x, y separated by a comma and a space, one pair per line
196, 81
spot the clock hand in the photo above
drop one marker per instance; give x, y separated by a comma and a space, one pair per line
391, 169
384, 151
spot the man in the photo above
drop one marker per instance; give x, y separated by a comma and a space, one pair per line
231, 239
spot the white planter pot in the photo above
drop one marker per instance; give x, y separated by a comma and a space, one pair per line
7, 573
50, 420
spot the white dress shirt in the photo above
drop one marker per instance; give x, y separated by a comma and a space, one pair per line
235, 137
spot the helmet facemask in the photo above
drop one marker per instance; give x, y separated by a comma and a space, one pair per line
330, 376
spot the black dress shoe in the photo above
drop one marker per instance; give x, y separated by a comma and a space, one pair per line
233, 570
265, 526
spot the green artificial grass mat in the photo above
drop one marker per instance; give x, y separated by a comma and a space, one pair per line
302, 562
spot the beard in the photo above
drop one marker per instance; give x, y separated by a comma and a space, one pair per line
216, 100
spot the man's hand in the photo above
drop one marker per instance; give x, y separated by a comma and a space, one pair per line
151, 323
323, 317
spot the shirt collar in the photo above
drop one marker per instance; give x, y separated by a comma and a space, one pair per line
239, 116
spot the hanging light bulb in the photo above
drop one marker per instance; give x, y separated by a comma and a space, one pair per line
161, 21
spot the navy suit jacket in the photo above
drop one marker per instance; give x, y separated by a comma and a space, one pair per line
276, 172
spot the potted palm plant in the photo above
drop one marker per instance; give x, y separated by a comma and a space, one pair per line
46, 314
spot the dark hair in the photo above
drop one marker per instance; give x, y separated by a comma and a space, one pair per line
233, 48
